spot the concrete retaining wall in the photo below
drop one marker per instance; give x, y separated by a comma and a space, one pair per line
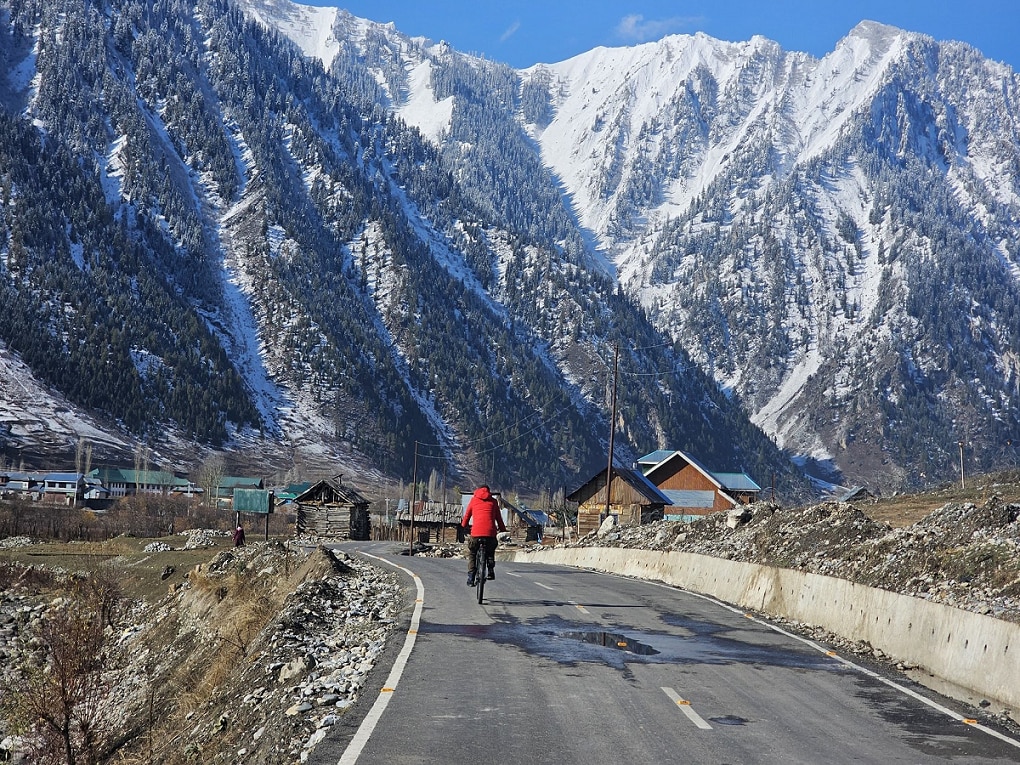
976, 652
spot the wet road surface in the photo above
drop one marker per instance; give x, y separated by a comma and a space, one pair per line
566, 666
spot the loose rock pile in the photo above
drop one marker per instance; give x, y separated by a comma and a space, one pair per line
278, 678
16, 542
201, 538
962, 554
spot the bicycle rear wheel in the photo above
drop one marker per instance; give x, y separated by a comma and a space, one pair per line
480, 571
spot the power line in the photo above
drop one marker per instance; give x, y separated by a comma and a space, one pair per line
488, 436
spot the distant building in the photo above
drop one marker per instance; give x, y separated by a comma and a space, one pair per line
333, 510
431, 520
120, 482
66, 488
226, 485
693, 490
20, 484
290, 492
633, 499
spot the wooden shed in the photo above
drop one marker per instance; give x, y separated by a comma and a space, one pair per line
436, 521
633, 499
692, 489
331, 509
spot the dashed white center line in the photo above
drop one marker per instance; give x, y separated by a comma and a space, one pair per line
544, 585
685, 706
579, 607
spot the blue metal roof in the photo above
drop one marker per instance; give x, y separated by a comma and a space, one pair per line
639, 481
736, 481
654, 458
63, 477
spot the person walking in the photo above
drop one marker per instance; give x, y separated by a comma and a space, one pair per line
239, 536
486, 521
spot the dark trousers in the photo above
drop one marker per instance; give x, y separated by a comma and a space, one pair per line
490, 552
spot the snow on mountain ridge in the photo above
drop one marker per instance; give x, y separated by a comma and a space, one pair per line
309, 27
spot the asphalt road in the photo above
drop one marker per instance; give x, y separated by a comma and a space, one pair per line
571, 667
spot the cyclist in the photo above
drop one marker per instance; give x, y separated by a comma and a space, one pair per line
486, 521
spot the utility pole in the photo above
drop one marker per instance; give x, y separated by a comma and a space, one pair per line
963, 483
612, 424
414, 491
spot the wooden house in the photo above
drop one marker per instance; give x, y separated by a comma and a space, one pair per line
334, 510
633, 499
432, 521
692, 489
523, 520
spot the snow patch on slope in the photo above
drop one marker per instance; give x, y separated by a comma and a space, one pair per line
33, 414
308, 27
432, 117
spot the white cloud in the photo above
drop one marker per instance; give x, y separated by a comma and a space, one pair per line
510, 31
634, 28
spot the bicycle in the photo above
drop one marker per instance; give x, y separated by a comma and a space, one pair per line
480, 569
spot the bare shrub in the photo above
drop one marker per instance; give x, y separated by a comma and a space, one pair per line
30, 578
56, 701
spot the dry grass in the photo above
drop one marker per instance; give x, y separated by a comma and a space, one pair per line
141, 574
906, 509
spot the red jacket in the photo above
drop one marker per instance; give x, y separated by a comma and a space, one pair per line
483, 512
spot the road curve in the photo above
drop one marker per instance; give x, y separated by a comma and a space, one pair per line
573, 667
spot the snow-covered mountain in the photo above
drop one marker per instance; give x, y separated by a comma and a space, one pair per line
209, 239
835, 241
310, 238
821, 235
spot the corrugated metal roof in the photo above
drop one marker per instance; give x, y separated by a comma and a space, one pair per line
690, 498
642, 484
63, 477
654, 458
736, 481
431, 513
345, 493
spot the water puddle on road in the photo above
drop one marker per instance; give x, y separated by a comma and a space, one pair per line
612, 640
572, 643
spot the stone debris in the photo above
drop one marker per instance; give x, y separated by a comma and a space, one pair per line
200, 538
292, 681
442, 550
10, 542
962, 554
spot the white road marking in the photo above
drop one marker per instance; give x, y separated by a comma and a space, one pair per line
846, 662
579, 607
367, 726
544, 585
685, 706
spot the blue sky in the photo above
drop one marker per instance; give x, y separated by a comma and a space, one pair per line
525, 32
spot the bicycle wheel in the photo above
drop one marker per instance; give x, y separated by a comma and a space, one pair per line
480, 571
